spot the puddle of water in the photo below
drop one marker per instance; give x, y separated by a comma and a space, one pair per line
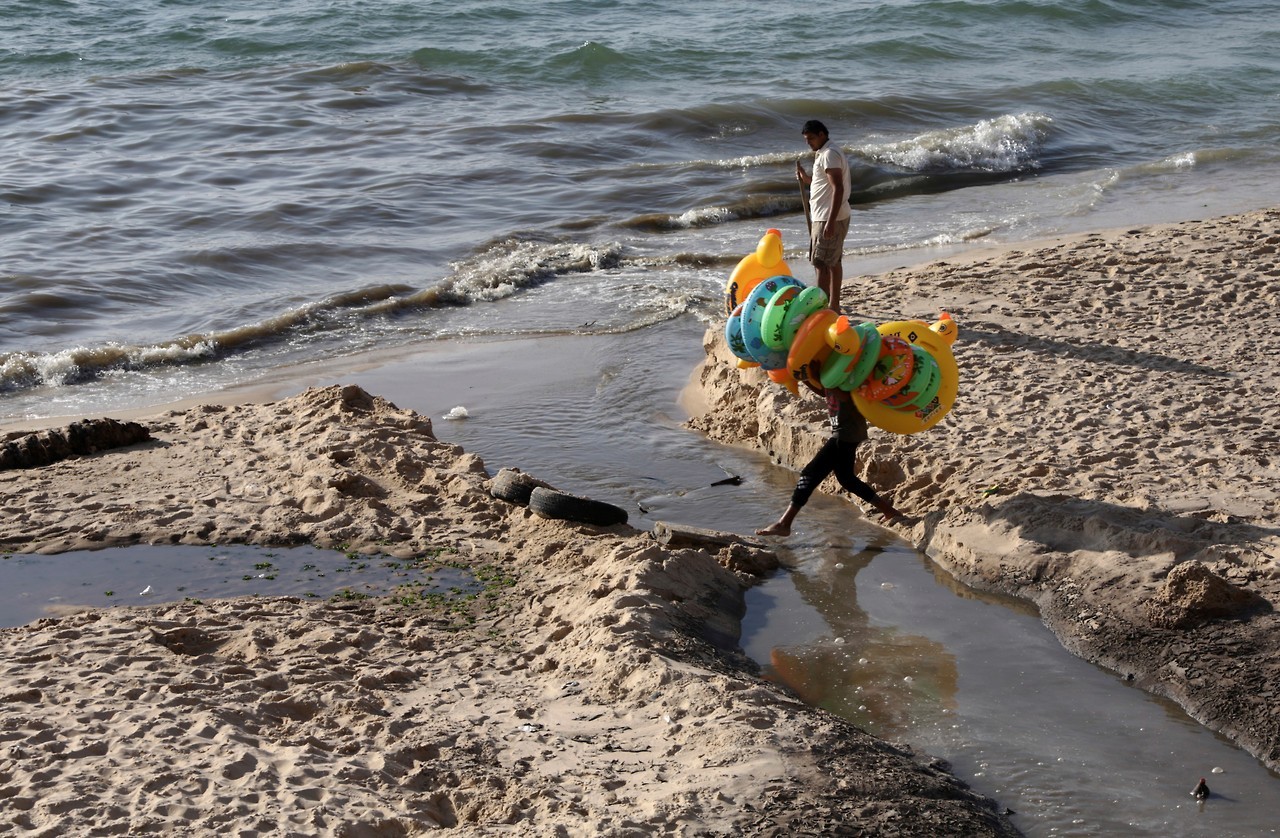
35, 586
878, 635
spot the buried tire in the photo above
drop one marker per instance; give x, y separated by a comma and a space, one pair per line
513, 486
549, 503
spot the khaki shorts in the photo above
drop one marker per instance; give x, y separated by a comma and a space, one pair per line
827, 252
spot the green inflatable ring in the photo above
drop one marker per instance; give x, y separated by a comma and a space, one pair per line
869, 338
810, 300
931, 389
775, 316
837, 368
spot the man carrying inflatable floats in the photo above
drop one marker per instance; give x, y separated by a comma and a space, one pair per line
900, 376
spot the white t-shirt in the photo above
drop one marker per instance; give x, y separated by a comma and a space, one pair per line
820, 191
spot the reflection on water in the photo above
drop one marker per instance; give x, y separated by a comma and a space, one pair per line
863, 626
884, 678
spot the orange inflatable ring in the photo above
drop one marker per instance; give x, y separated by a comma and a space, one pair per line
809, 342
924, 374
892, 371
935, 339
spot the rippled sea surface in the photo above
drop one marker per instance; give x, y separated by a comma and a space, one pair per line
197, 195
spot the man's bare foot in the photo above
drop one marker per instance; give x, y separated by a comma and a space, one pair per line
775, 529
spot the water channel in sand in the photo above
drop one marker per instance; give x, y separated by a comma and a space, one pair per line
864, 626
858, 622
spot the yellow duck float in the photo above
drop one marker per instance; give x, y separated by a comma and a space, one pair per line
761, 264
902, 374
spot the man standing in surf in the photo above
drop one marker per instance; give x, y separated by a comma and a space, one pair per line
828, 208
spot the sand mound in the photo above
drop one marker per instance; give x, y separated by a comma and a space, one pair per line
28, 450
592, 689
1192, 594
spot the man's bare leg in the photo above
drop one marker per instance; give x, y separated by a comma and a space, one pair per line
830, 278
835, 278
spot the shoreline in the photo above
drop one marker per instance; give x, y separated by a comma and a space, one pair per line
1110, 458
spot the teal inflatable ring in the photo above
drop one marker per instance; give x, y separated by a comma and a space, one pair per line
752, 311
733, 336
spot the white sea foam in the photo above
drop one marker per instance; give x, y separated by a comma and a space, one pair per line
509, 266
1009, 143
702, 216
168, 353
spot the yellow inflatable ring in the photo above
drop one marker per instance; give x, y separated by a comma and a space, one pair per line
922, 418
919, 333
760, 264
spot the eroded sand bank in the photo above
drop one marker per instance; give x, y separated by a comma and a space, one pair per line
1114, 455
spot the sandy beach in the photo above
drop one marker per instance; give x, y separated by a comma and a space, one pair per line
1110, 458
584, 698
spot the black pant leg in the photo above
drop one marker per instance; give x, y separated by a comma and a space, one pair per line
822, 464
846, 454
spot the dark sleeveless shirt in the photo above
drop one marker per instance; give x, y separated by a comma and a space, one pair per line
847, 423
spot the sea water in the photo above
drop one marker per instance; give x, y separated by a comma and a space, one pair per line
37, 586
195, 196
